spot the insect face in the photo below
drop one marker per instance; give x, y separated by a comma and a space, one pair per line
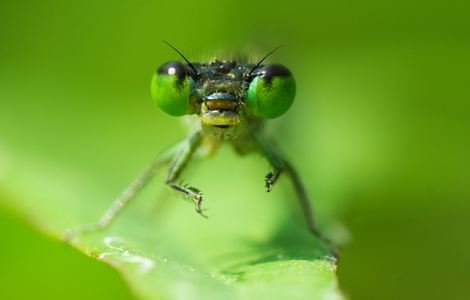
222, 93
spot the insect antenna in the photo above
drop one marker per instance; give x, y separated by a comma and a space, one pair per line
185, 59
259, 63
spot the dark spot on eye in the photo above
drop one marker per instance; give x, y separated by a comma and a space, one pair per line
270, 71
173, 68
222, 126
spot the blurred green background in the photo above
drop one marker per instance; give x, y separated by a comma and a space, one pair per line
380, 130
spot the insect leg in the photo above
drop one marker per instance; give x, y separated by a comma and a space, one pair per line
181, 159
282, 165
307, 208
274, 159
126, 196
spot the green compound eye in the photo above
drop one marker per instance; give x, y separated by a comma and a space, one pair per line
272, 92
171, 88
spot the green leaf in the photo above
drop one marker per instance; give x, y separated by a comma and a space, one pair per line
250, 248
37, 267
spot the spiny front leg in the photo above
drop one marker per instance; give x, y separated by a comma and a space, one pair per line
191, 193
274, 159
280, 164
180, 161
272, 177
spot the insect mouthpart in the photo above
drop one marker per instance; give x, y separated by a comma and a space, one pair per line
221, 101
220, 110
